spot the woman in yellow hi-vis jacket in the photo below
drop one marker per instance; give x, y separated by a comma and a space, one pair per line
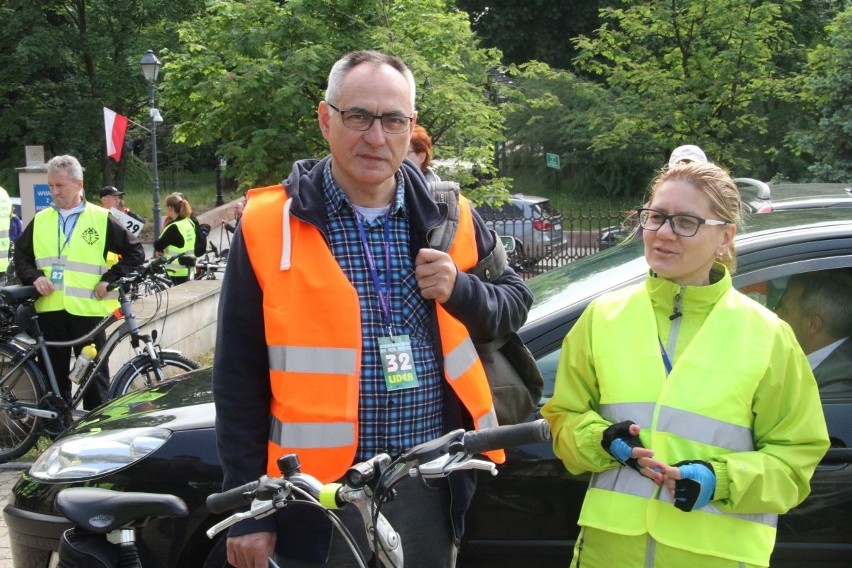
693, 406
178, 237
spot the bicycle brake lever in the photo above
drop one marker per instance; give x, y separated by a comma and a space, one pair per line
259, 509
444, 465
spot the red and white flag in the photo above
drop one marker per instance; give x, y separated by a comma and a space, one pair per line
115, 126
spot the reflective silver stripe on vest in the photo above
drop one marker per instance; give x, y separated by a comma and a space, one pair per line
79, 292
642, 413
770, 519
624, 480
84, 267
312, 434
488, 420
49, 261
459, 360
325, 360
705, 430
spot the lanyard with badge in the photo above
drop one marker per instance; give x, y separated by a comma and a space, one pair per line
395, 350
57, 269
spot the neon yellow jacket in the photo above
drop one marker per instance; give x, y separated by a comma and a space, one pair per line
187, 230
82, 259
740, 396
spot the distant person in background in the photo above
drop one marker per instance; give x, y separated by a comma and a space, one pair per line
818, 306
112, 198
5, 223
16, 227
687, 154
237, 210
420, 152
178, 237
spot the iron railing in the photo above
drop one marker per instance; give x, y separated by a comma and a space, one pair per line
549, 242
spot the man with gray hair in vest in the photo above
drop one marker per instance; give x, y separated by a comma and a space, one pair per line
62, 252
336, 320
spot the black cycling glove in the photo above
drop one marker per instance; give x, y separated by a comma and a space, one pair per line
619, 442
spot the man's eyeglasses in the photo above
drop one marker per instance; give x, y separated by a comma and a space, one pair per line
683, 225
393, 123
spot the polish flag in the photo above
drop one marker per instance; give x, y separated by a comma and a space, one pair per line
115, 126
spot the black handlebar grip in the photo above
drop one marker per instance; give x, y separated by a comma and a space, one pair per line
232, 498
500, 437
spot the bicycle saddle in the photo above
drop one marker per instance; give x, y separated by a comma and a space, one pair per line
18, 293
103, 510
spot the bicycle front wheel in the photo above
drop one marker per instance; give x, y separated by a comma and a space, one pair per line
139, 373
21, 389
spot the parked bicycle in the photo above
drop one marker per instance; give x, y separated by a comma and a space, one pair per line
106, 521
31, 403
213, 263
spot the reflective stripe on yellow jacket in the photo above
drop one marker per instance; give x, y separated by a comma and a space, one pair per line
5, 221
313, 332
187, 231
82, 261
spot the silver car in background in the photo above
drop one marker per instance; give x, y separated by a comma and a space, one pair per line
534, 224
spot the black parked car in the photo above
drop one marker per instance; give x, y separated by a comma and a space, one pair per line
163, 440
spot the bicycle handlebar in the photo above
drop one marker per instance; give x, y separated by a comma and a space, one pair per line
457, 442
501, 437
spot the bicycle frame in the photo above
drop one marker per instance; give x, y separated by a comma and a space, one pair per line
129, 327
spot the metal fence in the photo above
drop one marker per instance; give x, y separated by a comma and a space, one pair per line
544, 243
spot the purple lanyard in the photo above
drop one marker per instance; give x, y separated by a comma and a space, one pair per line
666, 361
383, 293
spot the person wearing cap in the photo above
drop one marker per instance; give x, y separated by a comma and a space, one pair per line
686, 155
112, 198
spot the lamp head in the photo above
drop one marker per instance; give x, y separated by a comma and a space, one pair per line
150, 66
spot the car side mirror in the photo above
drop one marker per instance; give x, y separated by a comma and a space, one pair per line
508, 243
837, 456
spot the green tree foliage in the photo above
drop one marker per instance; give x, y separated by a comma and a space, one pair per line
249, 76
553, 111
827, 93
527, 30
691, 71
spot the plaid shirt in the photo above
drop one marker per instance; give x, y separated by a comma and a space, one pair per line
395, 421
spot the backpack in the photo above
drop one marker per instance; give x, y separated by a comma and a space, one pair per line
513, 374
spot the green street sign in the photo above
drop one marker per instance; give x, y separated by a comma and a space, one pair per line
553, 161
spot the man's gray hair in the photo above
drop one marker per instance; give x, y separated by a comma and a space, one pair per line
68, 163
828, 294
375, 58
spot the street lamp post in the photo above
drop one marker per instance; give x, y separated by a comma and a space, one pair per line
220, 168
151, 68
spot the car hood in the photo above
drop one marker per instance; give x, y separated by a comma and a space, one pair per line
183, 403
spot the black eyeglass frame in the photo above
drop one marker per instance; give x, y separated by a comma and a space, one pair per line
671, 219
373, 118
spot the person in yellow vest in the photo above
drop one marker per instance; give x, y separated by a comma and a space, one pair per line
692, 405
5, 223
62, 252
336, 320
178, 237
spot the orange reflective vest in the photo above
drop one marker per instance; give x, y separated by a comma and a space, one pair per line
312, 322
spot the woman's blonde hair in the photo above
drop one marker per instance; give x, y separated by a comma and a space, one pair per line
179, 203
717, 185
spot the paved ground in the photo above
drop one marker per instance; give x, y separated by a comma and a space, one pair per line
9, 473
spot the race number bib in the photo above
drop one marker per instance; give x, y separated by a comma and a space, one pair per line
397, 362
132, 225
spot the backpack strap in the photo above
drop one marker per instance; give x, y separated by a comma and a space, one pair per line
447, 192
442, 236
